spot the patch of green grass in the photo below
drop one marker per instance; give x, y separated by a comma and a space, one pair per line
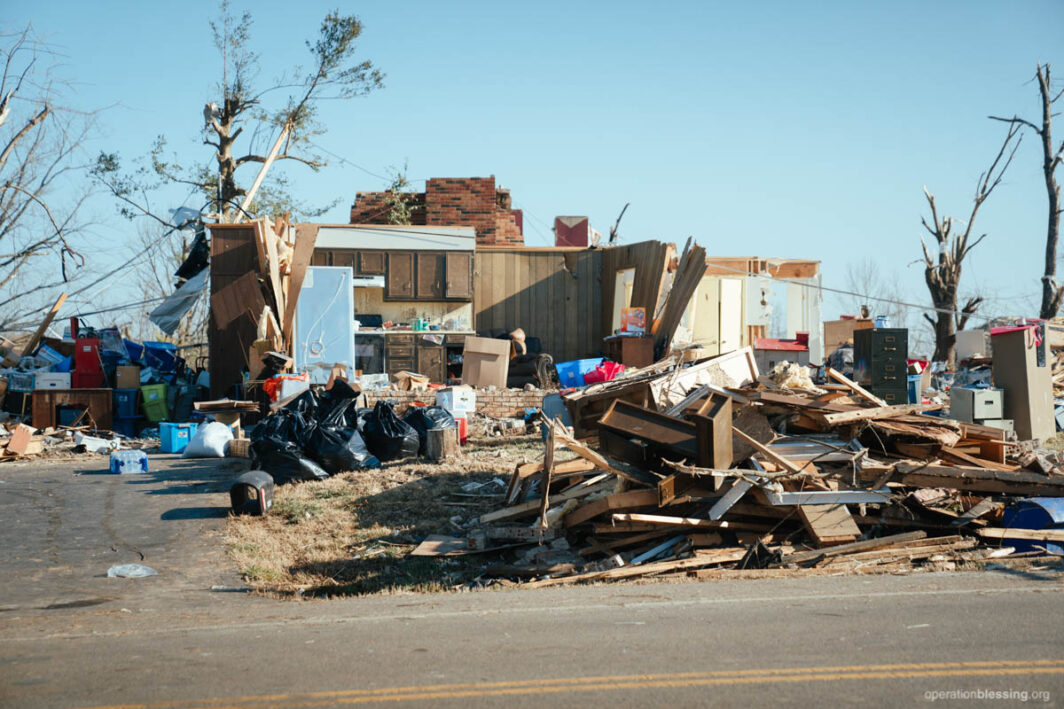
295, 511
254, 572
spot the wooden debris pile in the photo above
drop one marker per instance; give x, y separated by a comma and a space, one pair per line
709, 470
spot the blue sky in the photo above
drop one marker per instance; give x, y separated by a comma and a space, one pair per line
770, 129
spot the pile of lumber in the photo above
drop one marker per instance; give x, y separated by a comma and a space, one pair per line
710, 470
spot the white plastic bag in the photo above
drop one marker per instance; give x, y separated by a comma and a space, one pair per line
209, 441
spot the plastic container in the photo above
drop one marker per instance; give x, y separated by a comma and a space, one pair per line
155, 408
135, 350
161, 356
20, 381
571, 374
174, 437
125, 403
126, 462
125, 427
915, 395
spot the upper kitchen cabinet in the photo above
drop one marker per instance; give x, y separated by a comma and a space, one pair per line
430, 276
459, 267
399, 284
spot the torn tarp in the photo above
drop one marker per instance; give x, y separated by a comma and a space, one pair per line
169, 313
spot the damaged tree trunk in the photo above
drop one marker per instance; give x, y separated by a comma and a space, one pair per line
943, 273
1052, 294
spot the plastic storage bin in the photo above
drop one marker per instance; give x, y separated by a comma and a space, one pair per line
174, 437
125, 427
161, 356
125, 403
155, 408
571, 374
125, 462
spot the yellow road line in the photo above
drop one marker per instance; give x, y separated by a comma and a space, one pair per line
619, 682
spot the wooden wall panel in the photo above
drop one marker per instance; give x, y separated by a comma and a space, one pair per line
233, 254
552, 295
649, 259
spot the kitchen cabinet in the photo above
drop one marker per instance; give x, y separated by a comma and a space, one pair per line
459, 268
429, 276
430, 361
371, 263
399, 284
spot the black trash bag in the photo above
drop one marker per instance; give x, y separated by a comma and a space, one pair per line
387, 436
360, 416
422, 418
306, 404
283, 427
285, 462
335, 404
339, 449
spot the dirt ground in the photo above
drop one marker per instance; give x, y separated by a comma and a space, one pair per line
352, 534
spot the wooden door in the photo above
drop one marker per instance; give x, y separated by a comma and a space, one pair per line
371, 263
399, 284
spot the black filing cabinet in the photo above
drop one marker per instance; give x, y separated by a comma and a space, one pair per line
881, 362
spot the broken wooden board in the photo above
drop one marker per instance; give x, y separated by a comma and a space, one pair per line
855, 387
667, 521
829, 524
530, 508
978, 480
1041, 535
633, 499
31, 344
701, 560
877, 413
827, 497
23, 441
600, 461
984, 506
863, 545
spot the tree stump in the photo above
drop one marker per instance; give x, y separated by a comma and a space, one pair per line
441, 444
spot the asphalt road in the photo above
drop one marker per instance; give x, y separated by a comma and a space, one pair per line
173, 641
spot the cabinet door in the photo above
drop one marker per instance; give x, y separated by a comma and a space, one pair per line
345, 258
459, 275
319, 258
399, 284
430, 362
429, 276
371, 263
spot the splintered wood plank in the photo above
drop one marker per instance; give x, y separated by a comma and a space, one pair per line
987, 504
855, 387
1040, 535
961, 458
829, 524
306, 237
633, 499
548, 468
863, 545
31, 345
440, 545
879, 412
529, 508
767, 452
667, 521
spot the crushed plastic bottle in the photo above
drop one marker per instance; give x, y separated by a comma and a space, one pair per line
131, 571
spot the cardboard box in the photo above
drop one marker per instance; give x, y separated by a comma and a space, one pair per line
412, 381
459, 400
485, 362
51, 380
634, 320
127, 377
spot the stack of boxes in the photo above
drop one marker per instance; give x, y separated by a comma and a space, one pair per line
881, 363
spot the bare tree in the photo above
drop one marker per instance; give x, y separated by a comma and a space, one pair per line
38, 142
239, 106
1052, 294
942, 271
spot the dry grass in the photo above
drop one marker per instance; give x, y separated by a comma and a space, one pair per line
352, 534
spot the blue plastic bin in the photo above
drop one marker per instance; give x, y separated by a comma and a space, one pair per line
135, 350
161, 356
126, 462
126, 403
571, 374
174, 437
